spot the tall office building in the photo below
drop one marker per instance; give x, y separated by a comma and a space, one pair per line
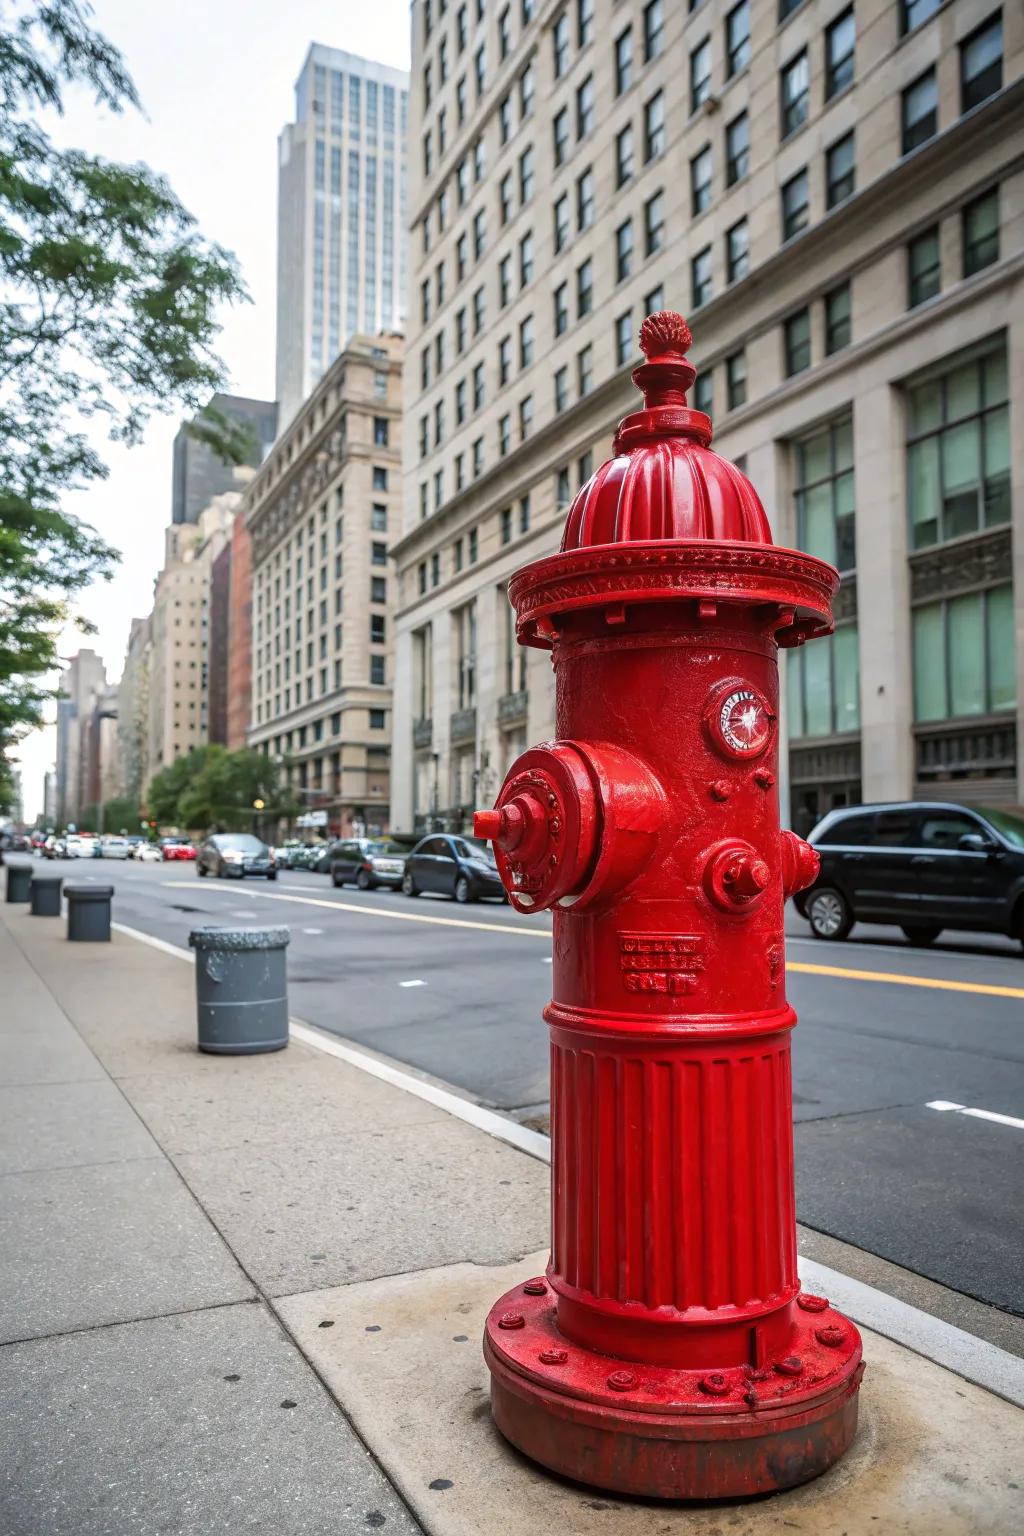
198, 471
341, 241
84, 681
832, 193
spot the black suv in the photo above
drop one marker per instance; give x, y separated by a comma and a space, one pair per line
924, 865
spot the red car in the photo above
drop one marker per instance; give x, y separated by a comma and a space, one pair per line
176, 848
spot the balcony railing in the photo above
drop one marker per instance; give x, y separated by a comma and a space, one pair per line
422, 732
512, 707
462, 725
967, 749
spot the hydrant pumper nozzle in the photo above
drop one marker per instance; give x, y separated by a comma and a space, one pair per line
669, 1350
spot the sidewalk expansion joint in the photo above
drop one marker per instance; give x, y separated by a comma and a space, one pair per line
130, 1322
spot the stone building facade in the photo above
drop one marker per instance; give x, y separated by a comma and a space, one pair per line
833, 194
321, 513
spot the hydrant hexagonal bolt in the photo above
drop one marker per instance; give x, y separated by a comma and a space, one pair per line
650, 829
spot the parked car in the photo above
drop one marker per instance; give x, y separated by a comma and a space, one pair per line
177, 848
454, 866
80, 845
235, 855
149, 853
923, 865
368, 861
114, 848
55, 847
286, 853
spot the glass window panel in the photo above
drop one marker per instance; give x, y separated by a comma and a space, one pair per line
846, 669
966, 655
924, 491
795, 692
961, 476
993, 370
814, 458
997, 466
929, 664
818, 690
819, 536
1002, 655
963, 396
926, 407
844, 444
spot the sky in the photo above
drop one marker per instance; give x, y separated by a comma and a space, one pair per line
216, 79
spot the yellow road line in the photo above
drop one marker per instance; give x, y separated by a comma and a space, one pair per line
893, 978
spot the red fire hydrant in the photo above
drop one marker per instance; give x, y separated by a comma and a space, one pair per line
669, 1351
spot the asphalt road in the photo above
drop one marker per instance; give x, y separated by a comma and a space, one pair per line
457, 992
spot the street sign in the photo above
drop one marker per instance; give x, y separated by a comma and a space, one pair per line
312, 819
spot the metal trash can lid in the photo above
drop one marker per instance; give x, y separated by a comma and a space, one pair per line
239, 938
48, 879
89, 892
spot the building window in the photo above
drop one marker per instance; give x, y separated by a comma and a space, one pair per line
919, 111
378, 676
478, 458
840, 44
795, 206
737, 149
526, 175
378, 554
526, 341
964, 655
561, 388
561, 215
840, 171
623, 61
505, 197
700, 181
737, 251
464, 623
737, 39
958, 451
504, 360
981, 63
585, 370
585, 200
479, 310
654, 301
980, 227
623, 338
700, 74
654, 126
654, 223
378, 627
376, 719
560, 135
700, 277
380, 478
380, 431
585, 108
794, 94
624, 251
584, 23
797, 339
624, 155
478, 386
736, 380
504, 435
378, 517
479, 233
527, 92
914, 12
504, 281
505, 524
823, 472
561, 299
837, 319
563, 491
505, 119
474, 545
378, 589
584, 288
704, 391
924, 267
560, 45
654, 30
823, 685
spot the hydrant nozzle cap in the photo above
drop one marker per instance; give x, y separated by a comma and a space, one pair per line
486, 824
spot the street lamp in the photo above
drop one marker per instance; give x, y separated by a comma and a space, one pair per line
258, 805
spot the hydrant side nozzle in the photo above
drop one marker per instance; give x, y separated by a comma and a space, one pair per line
800, 864
486, 825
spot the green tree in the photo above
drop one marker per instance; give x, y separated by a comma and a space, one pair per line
167, 787
109, 298
222, 796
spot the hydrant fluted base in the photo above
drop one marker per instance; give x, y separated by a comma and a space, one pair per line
664, 1433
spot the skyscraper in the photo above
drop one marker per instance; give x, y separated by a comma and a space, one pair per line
341, 244
199, 473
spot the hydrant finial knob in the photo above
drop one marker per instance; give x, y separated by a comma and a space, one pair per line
665, 334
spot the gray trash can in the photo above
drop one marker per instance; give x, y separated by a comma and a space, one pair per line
89, 913
45, 895
19, 881
241, 989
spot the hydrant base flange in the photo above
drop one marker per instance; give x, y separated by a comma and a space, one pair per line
659, 1432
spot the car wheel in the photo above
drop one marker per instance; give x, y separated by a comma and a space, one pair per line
920, 933
828, 913
200, 870
463, 891
363, 880
336, 880
272, 874
409, 886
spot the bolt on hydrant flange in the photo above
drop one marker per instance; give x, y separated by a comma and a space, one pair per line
671, 1353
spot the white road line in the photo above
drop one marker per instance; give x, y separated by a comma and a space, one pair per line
412, 983
988, 1366
312, 930
976, 1114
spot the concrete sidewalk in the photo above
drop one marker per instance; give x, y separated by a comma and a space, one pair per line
247, 1295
